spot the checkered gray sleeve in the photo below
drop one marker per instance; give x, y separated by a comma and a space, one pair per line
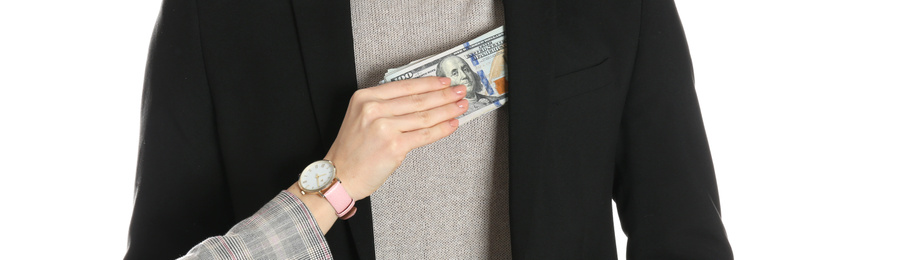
282, 229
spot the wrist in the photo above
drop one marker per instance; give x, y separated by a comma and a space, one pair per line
352, 191
347, 181
321, 177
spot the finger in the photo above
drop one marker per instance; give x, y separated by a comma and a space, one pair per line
424, 136
425, 101
424, 119
408, 87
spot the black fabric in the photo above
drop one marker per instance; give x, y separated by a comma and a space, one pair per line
241, 95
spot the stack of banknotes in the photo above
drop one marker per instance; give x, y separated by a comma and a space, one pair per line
479, 64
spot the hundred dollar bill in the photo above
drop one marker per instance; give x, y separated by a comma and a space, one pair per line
479, 64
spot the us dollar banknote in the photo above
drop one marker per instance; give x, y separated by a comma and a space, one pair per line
479, 64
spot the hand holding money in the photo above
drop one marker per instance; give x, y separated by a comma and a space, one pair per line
478, 64
410, 109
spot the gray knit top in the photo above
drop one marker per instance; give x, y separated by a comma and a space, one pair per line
448, 200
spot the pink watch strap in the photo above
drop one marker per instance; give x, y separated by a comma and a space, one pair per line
340, 200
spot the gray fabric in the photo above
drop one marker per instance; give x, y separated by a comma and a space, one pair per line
448, 200
281, 229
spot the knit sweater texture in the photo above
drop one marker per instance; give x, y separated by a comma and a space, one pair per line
449, 199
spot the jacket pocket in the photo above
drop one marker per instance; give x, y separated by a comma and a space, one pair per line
580, 82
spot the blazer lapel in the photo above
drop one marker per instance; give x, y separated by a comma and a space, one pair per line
528, 34
326, 41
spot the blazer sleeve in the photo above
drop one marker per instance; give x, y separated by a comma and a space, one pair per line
181, 194
281, 229
664, 187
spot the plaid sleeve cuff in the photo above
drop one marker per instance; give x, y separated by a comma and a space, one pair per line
282, 229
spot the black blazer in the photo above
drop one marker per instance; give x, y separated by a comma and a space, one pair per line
241, 95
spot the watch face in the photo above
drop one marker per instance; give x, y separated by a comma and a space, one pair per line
317, 175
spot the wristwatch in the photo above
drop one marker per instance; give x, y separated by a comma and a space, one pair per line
320, 177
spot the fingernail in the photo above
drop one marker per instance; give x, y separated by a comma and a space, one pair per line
459, 89
462, 103
444, 80
453, 122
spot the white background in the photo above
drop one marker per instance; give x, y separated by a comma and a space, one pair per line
800, 100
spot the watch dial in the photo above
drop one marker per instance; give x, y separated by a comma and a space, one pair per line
317, 175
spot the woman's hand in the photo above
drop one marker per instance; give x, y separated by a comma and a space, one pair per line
386, 122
